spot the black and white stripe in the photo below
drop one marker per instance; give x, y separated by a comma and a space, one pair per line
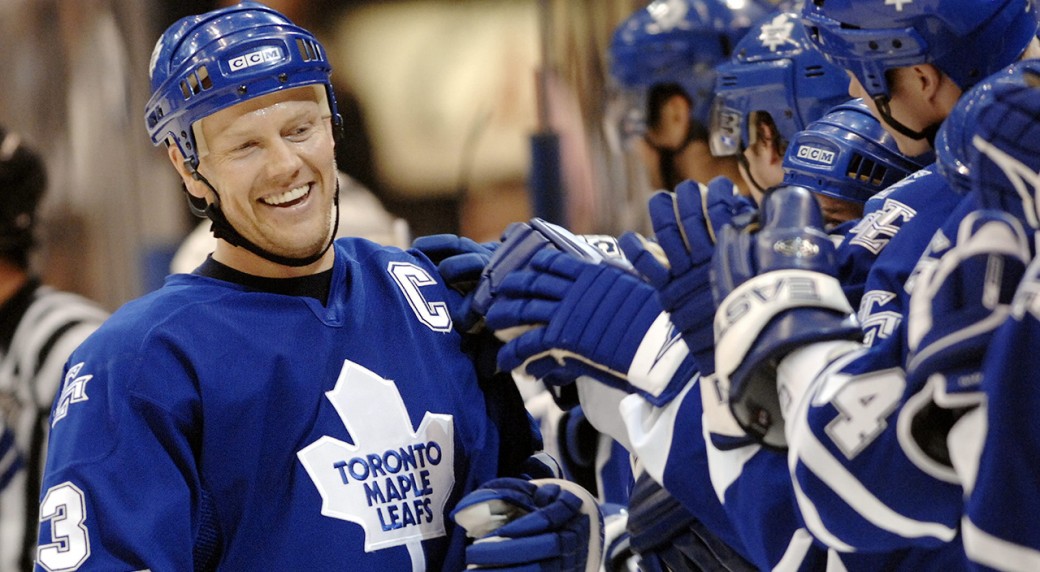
39, 328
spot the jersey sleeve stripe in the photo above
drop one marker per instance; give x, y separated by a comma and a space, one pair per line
818, 459
793, 557
814, 523
998, 553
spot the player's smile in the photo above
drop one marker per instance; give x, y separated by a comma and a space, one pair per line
282, 207
289, 198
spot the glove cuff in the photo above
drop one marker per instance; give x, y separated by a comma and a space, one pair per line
589, 506
759, 323
662, 363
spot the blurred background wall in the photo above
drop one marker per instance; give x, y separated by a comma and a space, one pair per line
441, 99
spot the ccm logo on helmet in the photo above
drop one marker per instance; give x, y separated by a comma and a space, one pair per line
816, 154
268, 54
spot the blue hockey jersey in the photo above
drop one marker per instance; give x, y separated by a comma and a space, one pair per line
207, 425
1003, 509
861, 481
884, 215
669, 443
895, 234
817, 484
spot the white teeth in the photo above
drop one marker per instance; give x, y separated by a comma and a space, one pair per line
286, 197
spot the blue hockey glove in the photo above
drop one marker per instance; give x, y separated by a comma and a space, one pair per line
588, 319
668, 537
460, 261
957, 304
521, 241
776, 287
685, 225
548, 525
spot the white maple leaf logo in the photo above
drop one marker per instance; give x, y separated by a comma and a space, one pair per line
777, 32
667, 14
393, 481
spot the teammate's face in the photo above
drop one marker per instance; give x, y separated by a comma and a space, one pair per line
673, 126
272, 162
663, 141
764, 161
906, 105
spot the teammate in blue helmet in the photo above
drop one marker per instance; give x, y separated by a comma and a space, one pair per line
290, 404
662, 61
946, 46
865, 416
845, 157
679, 41
773, 86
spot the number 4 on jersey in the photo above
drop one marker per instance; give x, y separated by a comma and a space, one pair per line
864, 403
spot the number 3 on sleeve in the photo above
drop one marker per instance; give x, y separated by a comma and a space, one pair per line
64, 509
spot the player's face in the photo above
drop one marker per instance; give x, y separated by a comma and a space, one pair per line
665, 141
764, 161
670, 131
272, 162
904, 106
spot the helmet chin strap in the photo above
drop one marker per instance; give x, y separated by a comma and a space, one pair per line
928, 133
223, 229
742, 160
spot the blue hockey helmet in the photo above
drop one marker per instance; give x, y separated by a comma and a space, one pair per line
990, 143
774, 69
680, 42
205, 63
966, 39
846, 154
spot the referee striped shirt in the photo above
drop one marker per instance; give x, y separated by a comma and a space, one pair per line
39, 328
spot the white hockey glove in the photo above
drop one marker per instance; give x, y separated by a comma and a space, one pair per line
777, 291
